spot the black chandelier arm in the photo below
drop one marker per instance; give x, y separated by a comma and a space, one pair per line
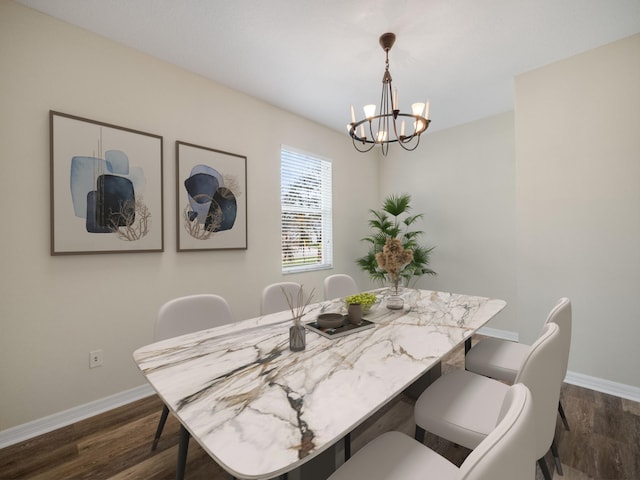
385, 148
353, 128
408, 148
374, 137
419, 120
362, 146
367, 145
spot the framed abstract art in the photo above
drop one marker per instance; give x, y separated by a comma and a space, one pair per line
106, 188
211, 201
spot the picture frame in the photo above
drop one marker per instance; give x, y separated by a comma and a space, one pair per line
106, 188
211, 199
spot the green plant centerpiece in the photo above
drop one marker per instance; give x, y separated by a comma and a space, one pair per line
366, 299
394, 220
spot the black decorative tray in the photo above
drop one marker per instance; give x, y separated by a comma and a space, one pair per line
345, 329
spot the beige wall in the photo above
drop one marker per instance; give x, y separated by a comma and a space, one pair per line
54, 310
463, 180
578, 204
544, 202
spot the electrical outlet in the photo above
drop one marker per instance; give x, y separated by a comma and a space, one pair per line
95, 358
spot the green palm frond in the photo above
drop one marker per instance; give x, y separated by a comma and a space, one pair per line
408, 221
380, 216
380, 221
396, 205
383, 226
380, 237
412, 235
393, 231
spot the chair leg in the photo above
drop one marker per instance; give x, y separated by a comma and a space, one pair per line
347, 446
183, 447
544, 468
556, 457
419, 435
562, 416
163, 420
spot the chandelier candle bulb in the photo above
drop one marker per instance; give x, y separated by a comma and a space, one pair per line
395, 99
353, 115
426, 109
369, 110
402, 129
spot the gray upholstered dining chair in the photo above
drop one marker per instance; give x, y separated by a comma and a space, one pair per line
273, 299
506, 453
462, 406
501, 359
184, 315
339, 285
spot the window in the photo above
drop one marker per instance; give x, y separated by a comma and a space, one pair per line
305, 197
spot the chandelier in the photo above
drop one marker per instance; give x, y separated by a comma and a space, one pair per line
390, 125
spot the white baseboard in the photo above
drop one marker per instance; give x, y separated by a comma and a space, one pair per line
604, 386
49, 423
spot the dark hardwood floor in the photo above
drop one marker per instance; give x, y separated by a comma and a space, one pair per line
603, 443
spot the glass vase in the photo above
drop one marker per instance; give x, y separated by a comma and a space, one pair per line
395, 286
395, 302
297, 338
394, 293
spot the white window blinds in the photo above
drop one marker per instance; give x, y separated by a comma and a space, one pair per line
305, 195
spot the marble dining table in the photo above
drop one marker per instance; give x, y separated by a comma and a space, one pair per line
261, 410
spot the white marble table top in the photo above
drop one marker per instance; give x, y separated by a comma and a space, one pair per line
260, 409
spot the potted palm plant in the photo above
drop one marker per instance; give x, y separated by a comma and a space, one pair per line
394, 220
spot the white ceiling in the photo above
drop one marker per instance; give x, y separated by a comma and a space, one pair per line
317, 57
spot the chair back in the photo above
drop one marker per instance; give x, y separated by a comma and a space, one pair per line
541, 372
507, 452
561, 315
273, 299
191, 313
339, 285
